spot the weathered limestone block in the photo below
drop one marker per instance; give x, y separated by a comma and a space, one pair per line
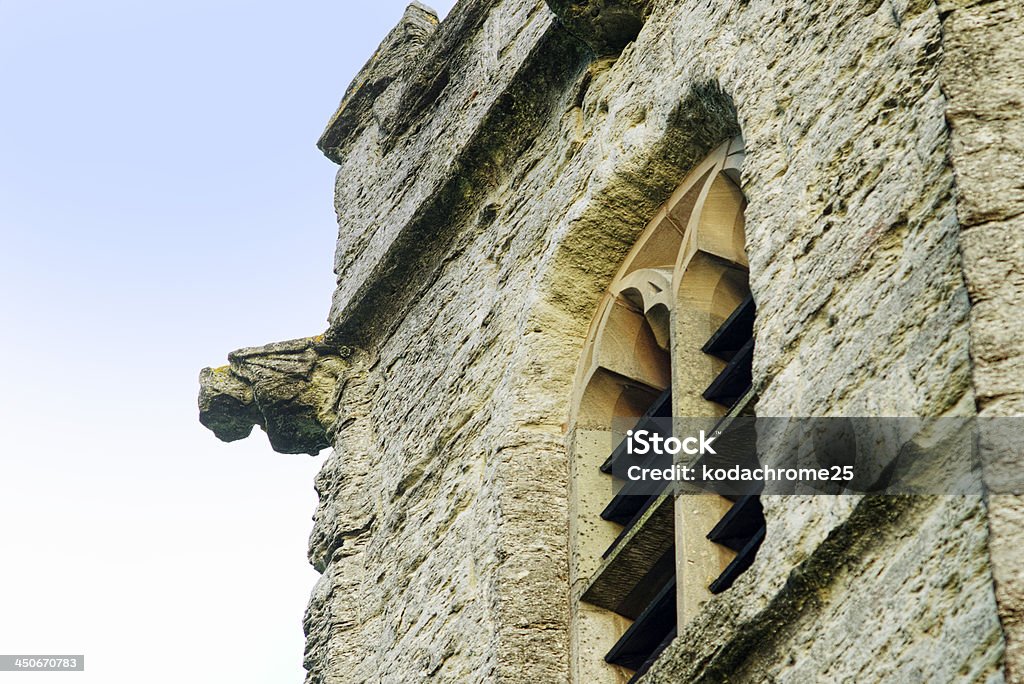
287, 388
982, 77
369, 90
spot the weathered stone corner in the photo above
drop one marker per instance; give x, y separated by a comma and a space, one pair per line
606, 26
287, 388
394, 57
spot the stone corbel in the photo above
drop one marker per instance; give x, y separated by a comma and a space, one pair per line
288, 388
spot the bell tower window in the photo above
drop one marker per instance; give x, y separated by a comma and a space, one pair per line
673, 336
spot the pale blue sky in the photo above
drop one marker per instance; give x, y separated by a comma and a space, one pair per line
161, 203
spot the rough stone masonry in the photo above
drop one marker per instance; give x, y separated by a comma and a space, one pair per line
494, 169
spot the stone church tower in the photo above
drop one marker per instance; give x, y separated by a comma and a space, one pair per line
557, 215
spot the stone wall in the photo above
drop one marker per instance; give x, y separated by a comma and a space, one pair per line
487, 191
983, 78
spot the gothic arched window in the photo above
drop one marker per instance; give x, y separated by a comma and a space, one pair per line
672, 336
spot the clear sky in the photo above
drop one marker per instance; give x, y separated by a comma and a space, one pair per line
162, 202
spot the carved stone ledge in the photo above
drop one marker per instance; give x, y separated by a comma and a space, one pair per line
287, 388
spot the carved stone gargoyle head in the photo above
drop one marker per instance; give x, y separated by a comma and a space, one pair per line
287, 388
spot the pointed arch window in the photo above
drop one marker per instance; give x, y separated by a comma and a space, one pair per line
673, 336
